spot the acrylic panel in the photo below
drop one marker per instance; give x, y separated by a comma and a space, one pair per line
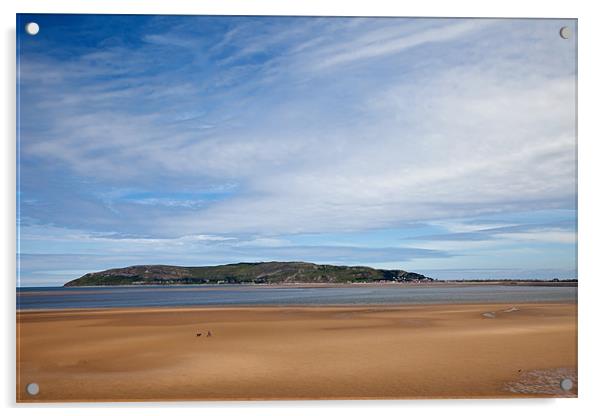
280, 207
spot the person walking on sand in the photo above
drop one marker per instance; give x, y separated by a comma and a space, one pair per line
208, 333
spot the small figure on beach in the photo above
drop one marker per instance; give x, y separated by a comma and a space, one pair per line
208, 333
199, 334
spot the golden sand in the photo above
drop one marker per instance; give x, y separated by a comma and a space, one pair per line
384, 352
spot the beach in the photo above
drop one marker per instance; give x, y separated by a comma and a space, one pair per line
298, 352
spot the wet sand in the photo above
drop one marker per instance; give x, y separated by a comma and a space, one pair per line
342, 352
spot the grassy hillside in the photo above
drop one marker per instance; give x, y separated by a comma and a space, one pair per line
265, 272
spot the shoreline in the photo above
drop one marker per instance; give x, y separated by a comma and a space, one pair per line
327, 285
291, 306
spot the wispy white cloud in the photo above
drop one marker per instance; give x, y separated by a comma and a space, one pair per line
394, 40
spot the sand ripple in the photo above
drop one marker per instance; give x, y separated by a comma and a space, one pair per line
545, 382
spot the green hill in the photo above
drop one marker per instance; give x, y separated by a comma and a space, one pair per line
264, 272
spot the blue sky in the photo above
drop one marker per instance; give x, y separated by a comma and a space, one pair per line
443, 146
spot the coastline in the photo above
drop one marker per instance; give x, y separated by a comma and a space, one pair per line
409, 285
443, 283
294, 352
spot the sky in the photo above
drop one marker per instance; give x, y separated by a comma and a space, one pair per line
440, 146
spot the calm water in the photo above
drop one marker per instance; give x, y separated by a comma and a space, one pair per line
111, 297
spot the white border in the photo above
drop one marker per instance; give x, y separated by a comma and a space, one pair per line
459, 8
590, 207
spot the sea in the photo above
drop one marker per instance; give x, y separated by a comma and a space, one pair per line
253, 295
